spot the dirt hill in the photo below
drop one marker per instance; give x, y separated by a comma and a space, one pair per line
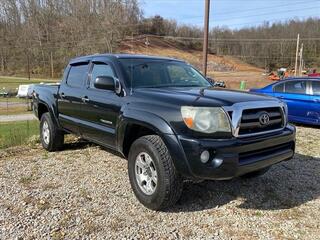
226, 68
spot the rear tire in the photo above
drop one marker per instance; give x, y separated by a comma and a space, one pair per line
51, 137
256, 173
153, 177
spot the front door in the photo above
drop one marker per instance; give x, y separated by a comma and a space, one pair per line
102, 108
297, 99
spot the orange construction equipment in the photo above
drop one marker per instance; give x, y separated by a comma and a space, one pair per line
273, 77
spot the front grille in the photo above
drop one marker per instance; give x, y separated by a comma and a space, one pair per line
250, 120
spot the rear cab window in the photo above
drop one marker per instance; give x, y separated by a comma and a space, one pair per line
299, 87
77, 75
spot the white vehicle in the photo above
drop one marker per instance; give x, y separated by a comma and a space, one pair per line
24, 90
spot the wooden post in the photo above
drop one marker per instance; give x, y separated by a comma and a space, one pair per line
301, 53
297, 53
28, 64
206, 37
51, 64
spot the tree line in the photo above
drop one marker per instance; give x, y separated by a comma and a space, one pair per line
38, 37
267, 46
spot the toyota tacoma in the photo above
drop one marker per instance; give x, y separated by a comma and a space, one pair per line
167, 119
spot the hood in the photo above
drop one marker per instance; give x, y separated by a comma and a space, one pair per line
197, 96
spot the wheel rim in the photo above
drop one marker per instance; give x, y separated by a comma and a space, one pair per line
45, 133
146, 173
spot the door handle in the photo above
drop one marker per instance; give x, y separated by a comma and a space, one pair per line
282, 97
85, 99
317, 100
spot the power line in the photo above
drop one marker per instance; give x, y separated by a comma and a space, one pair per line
261, 8
274, 20
267, 14
234, 40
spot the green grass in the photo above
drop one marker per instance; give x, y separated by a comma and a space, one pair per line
14, 82
17, 133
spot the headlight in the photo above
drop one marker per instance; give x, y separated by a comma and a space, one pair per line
205, 119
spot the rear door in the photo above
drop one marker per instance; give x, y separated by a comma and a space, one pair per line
102, 109
295, 94
315, 101
70, 96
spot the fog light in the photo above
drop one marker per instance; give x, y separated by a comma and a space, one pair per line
204, 157
217, 162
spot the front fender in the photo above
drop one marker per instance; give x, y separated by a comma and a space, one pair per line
159, 126
147, 119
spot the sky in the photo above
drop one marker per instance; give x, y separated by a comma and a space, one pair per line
234, 14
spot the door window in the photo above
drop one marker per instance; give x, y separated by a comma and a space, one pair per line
77, 75
100, 70
316, 87
296, 87
279, 88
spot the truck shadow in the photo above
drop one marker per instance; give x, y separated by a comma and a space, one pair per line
286, 185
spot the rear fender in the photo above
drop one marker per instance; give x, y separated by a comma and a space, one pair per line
50, 104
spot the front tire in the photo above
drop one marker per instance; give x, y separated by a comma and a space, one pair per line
51, 137
153, 177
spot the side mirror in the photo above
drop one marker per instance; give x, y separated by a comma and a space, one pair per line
105, 83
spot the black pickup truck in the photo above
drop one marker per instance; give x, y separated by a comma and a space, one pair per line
168, 121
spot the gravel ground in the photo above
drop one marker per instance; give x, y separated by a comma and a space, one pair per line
83, 192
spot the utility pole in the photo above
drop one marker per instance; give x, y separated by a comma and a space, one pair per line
297, 53
301, 53
206, 37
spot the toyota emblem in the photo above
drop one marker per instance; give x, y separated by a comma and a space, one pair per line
264, 119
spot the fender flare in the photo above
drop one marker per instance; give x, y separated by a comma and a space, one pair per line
50, 108
161, 128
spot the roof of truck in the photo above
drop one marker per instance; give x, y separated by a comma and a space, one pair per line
122, 56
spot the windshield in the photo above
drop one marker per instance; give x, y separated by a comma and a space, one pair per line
146, 73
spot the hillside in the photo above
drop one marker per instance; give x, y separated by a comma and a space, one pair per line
226, 68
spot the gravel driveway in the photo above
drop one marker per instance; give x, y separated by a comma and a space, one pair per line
83, 192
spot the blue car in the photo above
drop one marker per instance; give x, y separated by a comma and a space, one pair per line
302, 96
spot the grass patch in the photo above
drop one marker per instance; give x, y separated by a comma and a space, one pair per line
14, 100
17, 133
14, 82
14, 110
13, 105
26, 180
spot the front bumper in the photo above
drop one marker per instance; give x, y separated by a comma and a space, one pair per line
239, 156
